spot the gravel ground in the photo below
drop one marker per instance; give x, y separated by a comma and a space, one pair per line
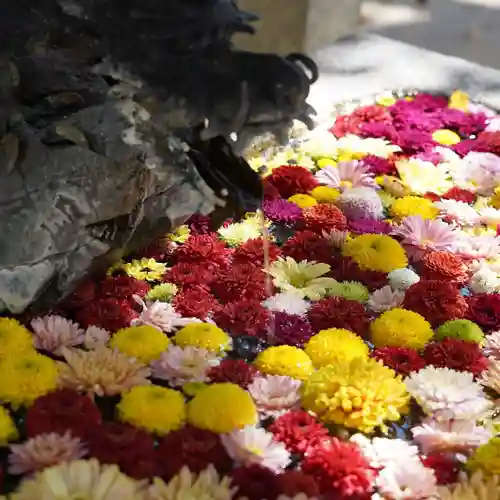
466, 28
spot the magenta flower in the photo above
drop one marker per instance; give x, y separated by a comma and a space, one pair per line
281, 211
347, 174
369, 226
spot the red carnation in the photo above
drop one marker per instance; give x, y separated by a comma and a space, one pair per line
194, 303
243, 317
340, 469
193, 448
442, 266
187, 275
255, 483
252, 253
402, 360
484, 309
307, 245
110, 314
295, 482
122, 444
240, 282
235, 371
122, 287
298, 431
323, 217
456, 354
204, 249
444, 466
459, 194
437, 301
291, 179
345, 269
61, 411
353, 122
337, 312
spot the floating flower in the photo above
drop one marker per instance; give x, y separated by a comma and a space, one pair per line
350, 290
282, 211
8, 430
402, 279
486, 458
240, 232
285, 360
323, 217
413, 206
14, 338
462, 329
303, 201
423, 176
492, 347
235, 371
361, 203
290, 180
52, 333
162, 292
491, 377
347, 175
145, 269
287, 302
474, 487
203, 335
385, 299
274, 394
325, 194
290, 329
95, 337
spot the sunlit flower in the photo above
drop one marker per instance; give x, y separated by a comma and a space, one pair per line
423, 176
252, 445
474, 173
458, 211
320, 143
345, 175
274, 394
478, 247
53, 333
240, 232
491, 377
366, 146
485, 280
145, 269
384, 299
287, 302
403, 278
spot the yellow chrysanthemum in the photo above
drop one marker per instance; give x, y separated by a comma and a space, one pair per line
325, 162
423, 176
144, 342
284, 360
222, 408
385, 100
205, 335
14, 338
163, 292
413, 205
25, 377
240, 232
329, 346
180, 235
303, 279
401, 328
325, 194
145, 269
376, 252
486, 458
153, 408
303, 200
459, 100
359, 394
475, 487
446, 137
8, 429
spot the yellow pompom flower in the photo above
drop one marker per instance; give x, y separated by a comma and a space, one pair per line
153, 408
329, 346
222, 408
145, 269
14, 338
459, 100
401, 328
360, 394
325, 162
385, 100
303, 200
376, 252
144, 342
325, 194
285, 360
486, 458
446, 137
26, 377
204, 335
413, 205
8, 429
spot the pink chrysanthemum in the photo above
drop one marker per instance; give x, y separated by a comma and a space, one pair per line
347, 175
54, 333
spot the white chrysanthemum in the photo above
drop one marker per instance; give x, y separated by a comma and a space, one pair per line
446, 394
459, 211
454, 436
402, 279
96, 337
423, 176
366, 146
320, 143
485, 280
477, 247
385, 299
254, 445
384, 452
287, 303
489, 216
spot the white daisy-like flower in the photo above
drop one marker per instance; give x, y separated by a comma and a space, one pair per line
485, 280
454, 436
473, 173
385, 299
460, 212
423, 176
366, 146
288, 303
254, 445
384, 452
320, 143
402, 279
447, 394
96, 337
407, 480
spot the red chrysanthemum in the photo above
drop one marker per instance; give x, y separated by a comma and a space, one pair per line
323, 217
122, 444
345, 269
402, 360
353, 122
484, 309
295, 482
298, 431
110, 314
204, 249
456, 354
340, 469
187, 275
490, 141
291, 179
307, 245
252, 253
255, 483
61, 411
235, 371
442, 266
459, 194
337, 312
193, 448
243, 317
444, 466
194, 303
437, 301
240, 282
122, 287
199, 224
